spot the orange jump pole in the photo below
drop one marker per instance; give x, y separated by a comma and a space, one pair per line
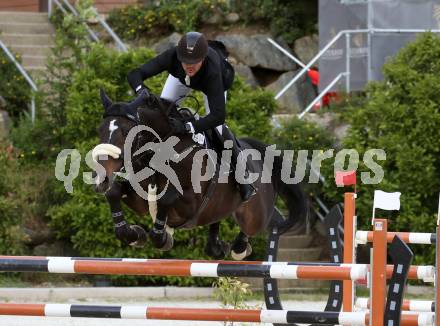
349, 248
378, 276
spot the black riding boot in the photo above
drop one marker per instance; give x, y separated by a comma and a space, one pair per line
246, 190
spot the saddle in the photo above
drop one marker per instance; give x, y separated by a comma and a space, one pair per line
209, 138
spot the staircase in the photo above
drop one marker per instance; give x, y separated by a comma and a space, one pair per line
30, 35
299, 248
296, 248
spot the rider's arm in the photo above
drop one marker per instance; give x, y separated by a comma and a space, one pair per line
216, 101
153, 67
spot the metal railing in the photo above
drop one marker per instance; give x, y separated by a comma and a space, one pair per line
25, 75
307, 67
319, 202
121, 46
287, 53
346, 73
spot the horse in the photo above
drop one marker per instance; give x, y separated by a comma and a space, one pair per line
186, 208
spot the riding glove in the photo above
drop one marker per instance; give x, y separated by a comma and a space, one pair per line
143, 91
179, 127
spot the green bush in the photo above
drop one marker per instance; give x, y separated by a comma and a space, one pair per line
25, 195
401, 115
71, 43
298, 134
102, 68
249, 111
11, 235
13, 87
37, 141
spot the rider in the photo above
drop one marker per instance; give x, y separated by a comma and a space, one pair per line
194, 64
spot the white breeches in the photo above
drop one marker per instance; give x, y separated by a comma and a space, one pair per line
174, 90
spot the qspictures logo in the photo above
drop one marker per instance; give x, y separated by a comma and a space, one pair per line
162, 153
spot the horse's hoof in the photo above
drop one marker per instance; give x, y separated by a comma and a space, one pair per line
219, 250
142, 236
161, 240
242, 255
168, 243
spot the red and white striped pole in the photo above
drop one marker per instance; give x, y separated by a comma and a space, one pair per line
200, 268
186, 268
408, 237
197, 314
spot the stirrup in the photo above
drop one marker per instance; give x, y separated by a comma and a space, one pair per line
247, 191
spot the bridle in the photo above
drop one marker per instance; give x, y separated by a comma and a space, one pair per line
118, 153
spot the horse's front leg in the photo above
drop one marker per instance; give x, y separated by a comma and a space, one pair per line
216, 248
160, 238
159, 235
133, 235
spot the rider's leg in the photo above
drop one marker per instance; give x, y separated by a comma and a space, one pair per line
174, 90
223, 132
247, 190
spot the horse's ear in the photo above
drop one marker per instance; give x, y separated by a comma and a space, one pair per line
106, 101
138, 101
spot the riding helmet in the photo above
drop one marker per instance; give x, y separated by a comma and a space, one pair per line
192, 48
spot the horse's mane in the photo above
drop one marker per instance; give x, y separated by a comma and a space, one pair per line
156, 103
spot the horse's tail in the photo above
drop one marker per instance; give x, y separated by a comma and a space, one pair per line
292, 194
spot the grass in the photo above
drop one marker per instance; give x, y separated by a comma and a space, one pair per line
41, 280
13, 281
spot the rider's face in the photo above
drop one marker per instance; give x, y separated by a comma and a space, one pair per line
192, 68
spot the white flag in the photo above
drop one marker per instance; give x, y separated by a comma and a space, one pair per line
386, 200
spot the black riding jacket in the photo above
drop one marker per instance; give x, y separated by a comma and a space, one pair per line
213, 79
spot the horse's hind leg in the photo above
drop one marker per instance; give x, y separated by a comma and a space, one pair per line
216, 248
241, 247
